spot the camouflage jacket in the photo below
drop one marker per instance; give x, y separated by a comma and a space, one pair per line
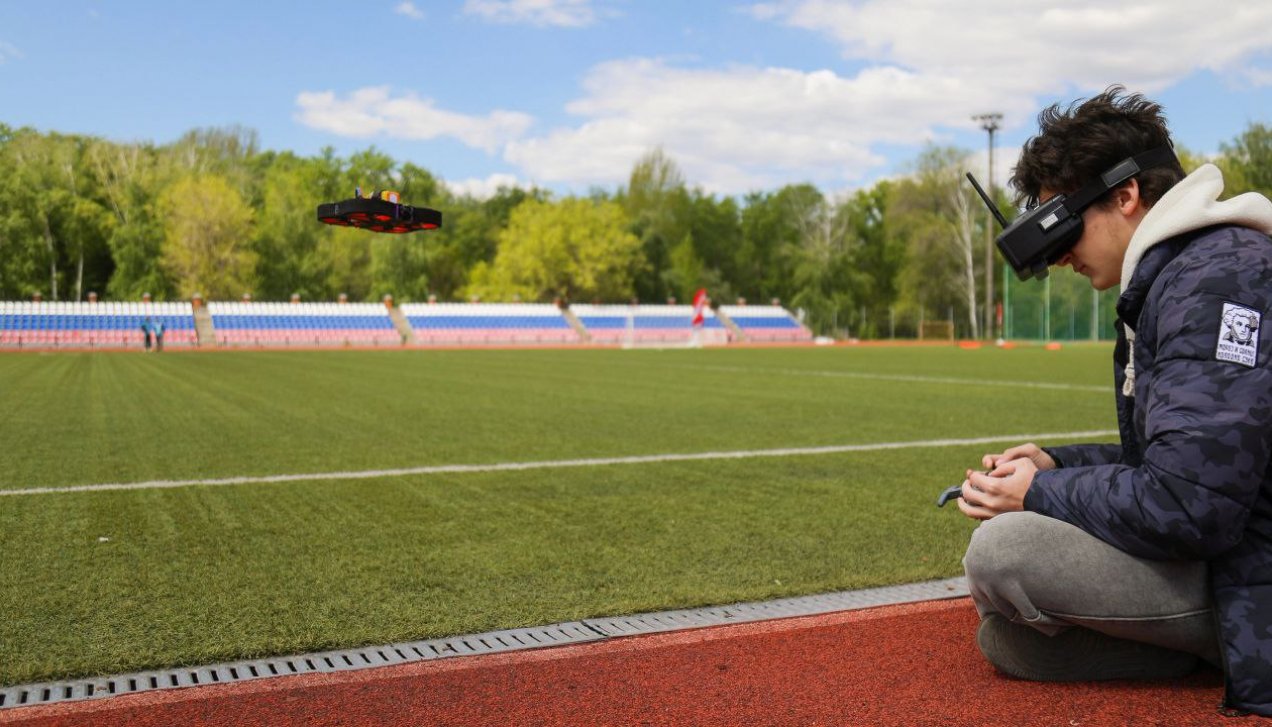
1192, 477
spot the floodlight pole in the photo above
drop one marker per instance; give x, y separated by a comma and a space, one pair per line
990, 123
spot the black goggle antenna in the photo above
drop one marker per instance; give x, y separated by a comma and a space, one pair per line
1002, 221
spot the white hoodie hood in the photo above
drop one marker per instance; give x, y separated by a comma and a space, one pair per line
1190, 205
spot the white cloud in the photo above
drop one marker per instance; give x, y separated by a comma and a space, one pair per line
407, 8
8, 52
921, 70
563, 13
1258, 76
372, 111
743, 128
766, 11
1016, 48
485, 188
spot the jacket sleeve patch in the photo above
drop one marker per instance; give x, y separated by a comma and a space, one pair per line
1238, 335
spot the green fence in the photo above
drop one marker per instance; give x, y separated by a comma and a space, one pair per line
1062, 307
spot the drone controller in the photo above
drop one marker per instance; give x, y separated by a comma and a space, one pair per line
950, 493
953, 493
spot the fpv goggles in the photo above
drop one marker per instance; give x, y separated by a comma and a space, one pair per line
1044, 233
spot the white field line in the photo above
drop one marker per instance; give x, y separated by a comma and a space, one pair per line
557, 464
908, 378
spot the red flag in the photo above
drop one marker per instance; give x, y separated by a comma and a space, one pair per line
699, 303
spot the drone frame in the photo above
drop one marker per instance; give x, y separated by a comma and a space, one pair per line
381, 212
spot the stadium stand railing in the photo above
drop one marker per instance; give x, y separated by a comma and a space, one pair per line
488, 323
302, 324
767, 323
64, 324
649, 324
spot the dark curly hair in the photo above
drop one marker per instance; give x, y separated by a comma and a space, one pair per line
1077, 144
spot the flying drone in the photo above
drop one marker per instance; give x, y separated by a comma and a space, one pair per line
382, 211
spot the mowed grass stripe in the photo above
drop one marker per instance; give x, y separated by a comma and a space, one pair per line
1082, 364
115, 582
567, 463
910, 378
91, 418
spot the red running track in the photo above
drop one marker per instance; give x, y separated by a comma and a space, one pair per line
914, 664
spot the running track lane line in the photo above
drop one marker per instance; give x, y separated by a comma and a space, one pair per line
554, 464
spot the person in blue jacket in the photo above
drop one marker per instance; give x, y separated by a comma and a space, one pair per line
146, 332
156, 329
1145, 558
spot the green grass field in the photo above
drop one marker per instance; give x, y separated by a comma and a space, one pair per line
106, 582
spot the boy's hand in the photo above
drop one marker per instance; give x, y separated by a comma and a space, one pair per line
1002, 490
1030, 451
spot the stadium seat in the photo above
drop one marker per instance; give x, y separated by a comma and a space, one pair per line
767, 323
60, 324
488, 323
303, 324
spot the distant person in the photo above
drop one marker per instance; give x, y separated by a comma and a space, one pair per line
157, 331
1144, 558
146, 333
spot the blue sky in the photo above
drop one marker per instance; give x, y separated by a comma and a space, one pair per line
568, 94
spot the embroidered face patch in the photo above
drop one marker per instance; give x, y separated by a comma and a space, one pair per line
1238, 335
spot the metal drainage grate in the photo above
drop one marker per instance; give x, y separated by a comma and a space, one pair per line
322, 662
783, 608
574, 632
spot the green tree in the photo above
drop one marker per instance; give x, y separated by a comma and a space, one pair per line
83, 223
32, 253
935, 211
369, 169
419, 187
439, 262
820, 253
656, 202
685, 270
715, 228
399, 266
878, 255
231, 152
400, 263
130, 181
19, 261
348, 252
54, 221
763, 264
1247, 161
576, 248
288, 240
465, 240
1188, 159
207, 231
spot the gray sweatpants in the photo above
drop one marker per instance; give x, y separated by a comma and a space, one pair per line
1051, 575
